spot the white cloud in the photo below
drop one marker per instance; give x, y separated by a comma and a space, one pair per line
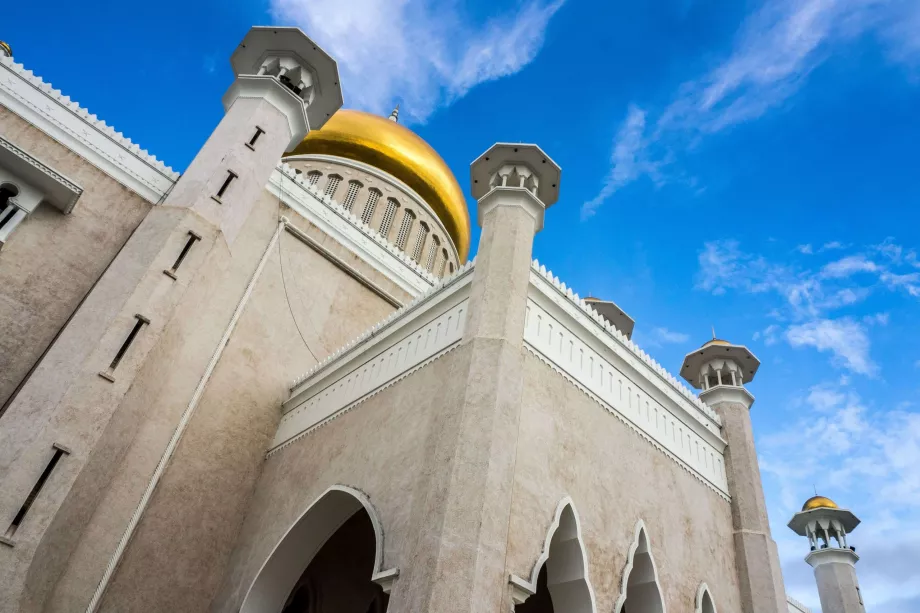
775, 50
849, 265
424, 53
627, 160
829, 246
663, 335
806, 249
845, 338
857, 455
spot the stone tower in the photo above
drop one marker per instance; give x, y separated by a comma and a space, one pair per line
720, 369
826, 526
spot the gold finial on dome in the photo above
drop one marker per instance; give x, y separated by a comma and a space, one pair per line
394, 116
400, 152
819, 502
5, 49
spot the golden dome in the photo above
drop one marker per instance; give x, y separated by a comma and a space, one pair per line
818, 502
395, 149
716, 341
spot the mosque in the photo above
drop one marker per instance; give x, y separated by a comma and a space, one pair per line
276, 383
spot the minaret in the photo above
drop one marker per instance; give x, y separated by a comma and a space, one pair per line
826, 526
394, 116
285, 85
720, 369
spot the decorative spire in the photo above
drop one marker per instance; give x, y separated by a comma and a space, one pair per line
394, 116
5, 49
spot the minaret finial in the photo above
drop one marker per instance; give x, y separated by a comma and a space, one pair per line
394, 116
713, 333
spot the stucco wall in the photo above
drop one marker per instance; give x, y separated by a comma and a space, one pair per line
572, 446
382, 447
52, 260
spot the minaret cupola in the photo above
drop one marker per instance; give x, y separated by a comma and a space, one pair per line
720, 369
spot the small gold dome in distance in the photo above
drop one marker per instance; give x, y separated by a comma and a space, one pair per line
819, 502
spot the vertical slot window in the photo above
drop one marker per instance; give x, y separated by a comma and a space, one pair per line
332, 184
404, 228
139, 322
252, 141
372, 196
59, 452
420, 241
225, 185
192, 239
351, 195
388, 215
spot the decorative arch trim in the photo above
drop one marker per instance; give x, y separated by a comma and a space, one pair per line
641, 545
701, 595
522, 589
303, 540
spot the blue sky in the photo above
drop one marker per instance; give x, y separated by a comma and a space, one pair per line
750, 166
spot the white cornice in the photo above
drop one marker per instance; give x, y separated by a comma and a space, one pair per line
330, 217
385, 178
58, 189
727, 393
393, 349
67, 122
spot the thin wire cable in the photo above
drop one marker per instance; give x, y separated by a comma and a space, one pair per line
287, 297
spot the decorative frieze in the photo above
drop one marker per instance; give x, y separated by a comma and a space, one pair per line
67, 122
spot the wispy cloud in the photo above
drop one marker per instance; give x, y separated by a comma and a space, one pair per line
812, 294
845, 338
424, 53
775, 51
664, 336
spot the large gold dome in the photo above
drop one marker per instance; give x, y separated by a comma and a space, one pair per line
394, 149
819, 502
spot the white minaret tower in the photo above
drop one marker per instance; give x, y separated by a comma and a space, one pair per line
826, 526
720, 369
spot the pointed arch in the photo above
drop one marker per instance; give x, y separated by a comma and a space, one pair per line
640, 578
566, 560
704, 602
303, 540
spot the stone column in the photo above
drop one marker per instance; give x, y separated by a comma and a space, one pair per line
756, 556
466, 530
835, 573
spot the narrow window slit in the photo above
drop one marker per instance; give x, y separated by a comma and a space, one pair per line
252, 141
140, 322
192, 238
36, 490
223, 188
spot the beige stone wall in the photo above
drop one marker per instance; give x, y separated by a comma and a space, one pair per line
572, 446
178, 554
406, 199
52, 260
385, 446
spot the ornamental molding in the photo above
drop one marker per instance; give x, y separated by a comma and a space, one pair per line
623, 384
55, 114
405, 342
72, 190
341, 225
384, 178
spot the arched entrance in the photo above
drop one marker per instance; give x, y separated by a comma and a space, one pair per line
559, 581
704, 602
639, 591
329, 561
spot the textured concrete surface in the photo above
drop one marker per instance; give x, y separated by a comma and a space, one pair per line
838, 588
52, 260
759, 574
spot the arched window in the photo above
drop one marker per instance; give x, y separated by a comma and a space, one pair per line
404, 228
351, 195
443, 262
313, 177
332, 184
639, 591
388, 215
331, 557
704, 602
559, 581
432, 253
373, 195
420, 241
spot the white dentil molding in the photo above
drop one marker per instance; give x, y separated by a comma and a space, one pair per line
67, 122
404, 342
330, 217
